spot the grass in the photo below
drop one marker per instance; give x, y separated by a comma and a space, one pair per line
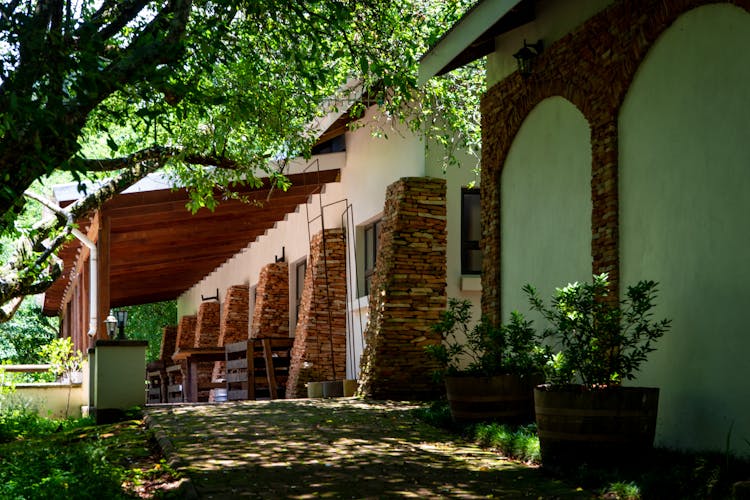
73, 458
519, 443
662, 474
515, 442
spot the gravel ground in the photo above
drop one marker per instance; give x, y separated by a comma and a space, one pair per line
334, 448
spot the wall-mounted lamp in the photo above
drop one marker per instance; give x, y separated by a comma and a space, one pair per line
122, 319
111, 324
526, 55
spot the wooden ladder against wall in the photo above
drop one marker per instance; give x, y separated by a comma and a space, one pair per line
258, 368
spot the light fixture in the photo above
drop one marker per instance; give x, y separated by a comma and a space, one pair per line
526, 55
122, 319
111, 324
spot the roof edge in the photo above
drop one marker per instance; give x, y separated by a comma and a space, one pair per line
460, 38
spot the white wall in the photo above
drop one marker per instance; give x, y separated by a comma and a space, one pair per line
684, 191
545, 199
456, 176
371, 164
554, 19
51, 400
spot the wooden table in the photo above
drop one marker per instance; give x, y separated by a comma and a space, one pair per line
194, 356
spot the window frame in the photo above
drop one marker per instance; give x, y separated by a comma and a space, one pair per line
468, 245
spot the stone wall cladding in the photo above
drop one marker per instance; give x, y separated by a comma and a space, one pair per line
235, 317
408, 292
207, 325
185, 339
186, 332
168, 343
319, 351
592, 67
271, 316
206, 335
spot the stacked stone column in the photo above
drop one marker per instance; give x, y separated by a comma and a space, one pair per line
271, 316
319, 351
408, 292
234, 321
185, 340
168, 343
206, 335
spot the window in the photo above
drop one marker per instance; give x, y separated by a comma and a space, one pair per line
372, 238
299, 284
471, 232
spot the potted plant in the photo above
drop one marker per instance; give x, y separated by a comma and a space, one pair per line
583, 412
489, 372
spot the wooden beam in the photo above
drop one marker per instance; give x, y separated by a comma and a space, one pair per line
135, 216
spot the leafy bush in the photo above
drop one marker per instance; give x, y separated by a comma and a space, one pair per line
145, 322
62, 358
57, 459
602, 341
36, 469
512, 348
19, 419
21, 337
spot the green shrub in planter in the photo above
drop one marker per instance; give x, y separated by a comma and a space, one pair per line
602, 341
488, 350
490, 375
583, 413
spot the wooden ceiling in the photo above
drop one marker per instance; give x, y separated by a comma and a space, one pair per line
158, 249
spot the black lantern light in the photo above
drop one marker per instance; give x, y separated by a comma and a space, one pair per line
122, 319
526, 55
111, 324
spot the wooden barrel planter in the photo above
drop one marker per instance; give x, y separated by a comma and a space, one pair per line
502, 398
603, 425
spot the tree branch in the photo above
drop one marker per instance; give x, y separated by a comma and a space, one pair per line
120, 13
26, 273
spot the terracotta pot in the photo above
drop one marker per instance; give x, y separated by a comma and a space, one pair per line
502, 398
577, 424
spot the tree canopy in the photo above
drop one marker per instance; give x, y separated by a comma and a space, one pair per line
214, 91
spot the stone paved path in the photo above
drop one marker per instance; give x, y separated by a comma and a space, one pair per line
336, 448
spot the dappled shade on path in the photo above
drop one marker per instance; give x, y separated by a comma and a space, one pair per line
339, 448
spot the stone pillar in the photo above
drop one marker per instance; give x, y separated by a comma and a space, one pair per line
207, 325
234, 321
408, 292
186, 332
319, 351
168, 343
206, 335
271, 317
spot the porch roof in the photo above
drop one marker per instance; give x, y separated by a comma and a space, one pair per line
158, 249
473, 36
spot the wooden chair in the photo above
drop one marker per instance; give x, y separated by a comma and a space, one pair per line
175, 394
156, 376
258, 368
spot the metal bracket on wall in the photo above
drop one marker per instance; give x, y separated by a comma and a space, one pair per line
216, 298
282, 258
